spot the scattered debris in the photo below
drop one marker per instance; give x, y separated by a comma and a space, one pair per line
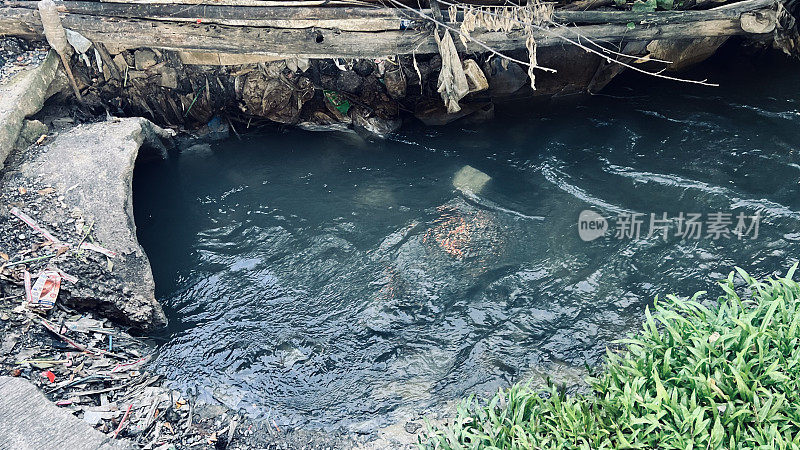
98, 249
45, 290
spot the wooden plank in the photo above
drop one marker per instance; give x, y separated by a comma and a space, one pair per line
314, 43
730, 11
373, 18
359, 18
261, 3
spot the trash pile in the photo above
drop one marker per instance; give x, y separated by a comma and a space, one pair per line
80, 361
97, 371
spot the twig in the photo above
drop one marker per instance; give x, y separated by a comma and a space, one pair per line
98, 391
89, 230
70, 76
230, 124
51, 328
87, 379
156, 416
465, 36
39, 258
189, 417
122, 422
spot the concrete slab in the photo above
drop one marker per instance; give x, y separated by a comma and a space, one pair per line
21, 97
91, 167
29, 421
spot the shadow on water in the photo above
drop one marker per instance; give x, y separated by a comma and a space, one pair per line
323, 282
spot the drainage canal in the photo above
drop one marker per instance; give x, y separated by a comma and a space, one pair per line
326, 281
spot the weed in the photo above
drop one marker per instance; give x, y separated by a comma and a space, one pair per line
725, 376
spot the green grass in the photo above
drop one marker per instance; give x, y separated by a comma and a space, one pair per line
725, 376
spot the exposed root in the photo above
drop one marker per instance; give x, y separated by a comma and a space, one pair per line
460, 33
544, 28
787, 37
506, 18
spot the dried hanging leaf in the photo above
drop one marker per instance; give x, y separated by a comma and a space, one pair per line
530, 44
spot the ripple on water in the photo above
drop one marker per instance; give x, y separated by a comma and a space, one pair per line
327, 284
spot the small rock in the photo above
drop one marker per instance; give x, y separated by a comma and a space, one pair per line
349, 81
364, 67
412, 427
121, 64
169, 78
144, 59
395, 83
31, 131
137, 74
22, 236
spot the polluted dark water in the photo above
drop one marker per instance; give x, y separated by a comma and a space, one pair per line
328, 282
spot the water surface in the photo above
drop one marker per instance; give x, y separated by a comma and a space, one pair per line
328, 282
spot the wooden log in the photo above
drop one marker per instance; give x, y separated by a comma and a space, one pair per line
730, 11
261, 3
584, 5
315, 43
348, 18
296, 3
362, 18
